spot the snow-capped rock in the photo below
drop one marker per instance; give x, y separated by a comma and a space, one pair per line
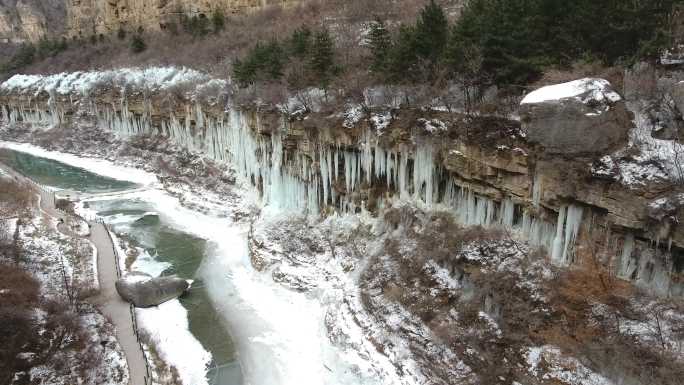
586, 90
582, 116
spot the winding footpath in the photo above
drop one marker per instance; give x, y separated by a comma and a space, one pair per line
113, 307
108, 300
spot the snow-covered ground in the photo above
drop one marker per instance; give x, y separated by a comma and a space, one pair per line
646, 160
167, 327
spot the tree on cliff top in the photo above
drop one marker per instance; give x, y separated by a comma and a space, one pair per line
264, 62
380, 44
431, 33
321, 58
138, 44
218, 21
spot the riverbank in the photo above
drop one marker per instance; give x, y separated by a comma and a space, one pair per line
82, 346
107, 299
162, 335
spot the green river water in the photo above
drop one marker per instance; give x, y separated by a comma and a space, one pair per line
166, 248
52, 173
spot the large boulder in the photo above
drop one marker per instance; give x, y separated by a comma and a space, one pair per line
584, 116
144, 291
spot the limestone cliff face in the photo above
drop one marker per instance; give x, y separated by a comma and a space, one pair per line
88, 17
486, 171
31, 20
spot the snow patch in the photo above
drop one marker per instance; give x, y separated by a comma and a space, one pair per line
583, 90
381, 121
168, 329
151, 79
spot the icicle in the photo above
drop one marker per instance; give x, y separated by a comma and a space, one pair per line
423, 173
557, 251
367, 160
328, 160
537, 190
323, 162
347, 172
507, 214
402, 177
626, 257
337, 163
353, 162
572, 226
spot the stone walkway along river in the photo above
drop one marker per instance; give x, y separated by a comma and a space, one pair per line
108, 300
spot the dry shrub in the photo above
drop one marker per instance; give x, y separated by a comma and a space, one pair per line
64, 205
16, 198
56, 338
619, 355
18, 287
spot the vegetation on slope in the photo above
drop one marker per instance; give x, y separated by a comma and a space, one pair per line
501, 42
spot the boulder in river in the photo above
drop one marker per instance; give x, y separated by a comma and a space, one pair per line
584, 116
143, 290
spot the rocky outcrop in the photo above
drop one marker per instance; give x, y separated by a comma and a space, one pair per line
581, 117
144, 291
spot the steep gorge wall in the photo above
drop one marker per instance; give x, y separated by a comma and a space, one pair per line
93, 17
32, 20
485, 172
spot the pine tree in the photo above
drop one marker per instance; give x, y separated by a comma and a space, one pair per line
403, 59
300, 42
138, 44
242, 74
431, 33
464, 60
321, 58
380, 44
264, 62
418, 49
273, 60
218, 21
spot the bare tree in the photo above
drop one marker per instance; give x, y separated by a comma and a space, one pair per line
468, 73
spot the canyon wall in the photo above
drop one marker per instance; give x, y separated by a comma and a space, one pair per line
93, 17
485, 170
32, 20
